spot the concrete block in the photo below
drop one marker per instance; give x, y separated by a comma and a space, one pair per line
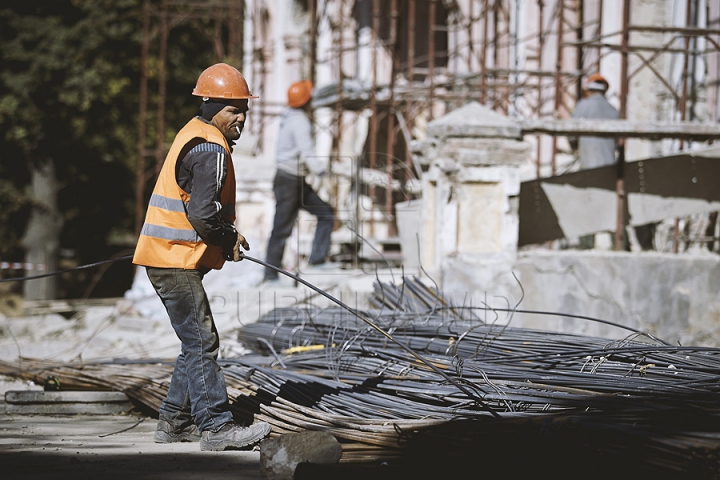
474, 120
280, 456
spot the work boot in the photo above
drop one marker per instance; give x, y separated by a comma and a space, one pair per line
166, 434
234, 436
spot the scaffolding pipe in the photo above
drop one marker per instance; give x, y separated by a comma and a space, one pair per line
410, 64
390, 164
338, 102
313, 51
372, 150
682, 107
714, 63
411, 40
431, 57
579, 60
483, 56
541, 42
598, 35
624, 84
558, 80
471, 49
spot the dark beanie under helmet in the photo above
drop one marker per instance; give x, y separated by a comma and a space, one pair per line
211, 106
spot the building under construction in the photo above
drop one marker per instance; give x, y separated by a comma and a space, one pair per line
487, 343
384, 69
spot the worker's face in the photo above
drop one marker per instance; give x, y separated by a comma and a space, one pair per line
231, 119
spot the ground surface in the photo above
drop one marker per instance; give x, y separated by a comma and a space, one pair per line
95, 446
104, 447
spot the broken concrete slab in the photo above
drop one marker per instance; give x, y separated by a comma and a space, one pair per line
474, 120
280, 456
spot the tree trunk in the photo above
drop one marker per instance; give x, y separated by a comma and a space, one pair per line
42, 236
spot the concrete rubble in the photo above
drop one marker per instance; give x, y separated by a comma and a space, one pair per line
280, 456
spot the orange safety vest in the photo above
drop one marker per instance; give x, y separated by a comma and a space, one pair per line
167, 239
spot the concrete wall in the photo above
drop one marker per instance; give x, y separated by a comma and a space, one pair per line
469, 247
674, 297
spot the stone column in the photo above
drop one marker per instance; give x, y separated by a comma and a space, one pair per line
470, 197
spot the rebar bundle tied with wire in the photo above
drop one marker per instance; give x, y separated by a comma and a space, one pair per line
637, 393
577, 401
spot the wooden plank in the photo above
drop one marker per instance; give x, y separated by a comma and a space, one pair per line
676, 185
621, 128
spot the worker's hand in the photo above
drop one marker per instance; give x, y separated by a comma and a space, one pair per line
236, 254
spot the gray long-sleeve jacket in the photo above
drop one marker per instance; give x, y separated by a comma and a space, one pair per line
595, 152
295, 147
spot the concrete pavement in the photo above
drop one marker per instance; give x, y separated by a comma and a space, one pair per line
106, 447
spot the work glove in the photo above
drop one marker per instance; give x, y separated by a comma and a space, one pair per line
235, 254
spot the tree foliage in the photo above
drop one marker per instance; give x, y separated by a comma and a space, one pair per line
69, 83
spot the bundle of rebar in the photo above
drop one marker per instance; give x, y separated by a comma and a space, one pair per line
327, 369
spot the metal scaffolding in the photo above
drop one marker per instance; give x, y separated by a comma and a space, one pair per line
527, 60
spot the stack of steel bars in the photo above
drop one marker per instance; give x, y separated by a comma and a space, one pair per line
328, 369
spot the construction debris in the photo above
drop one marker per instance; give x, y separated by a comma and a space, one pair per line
280, 456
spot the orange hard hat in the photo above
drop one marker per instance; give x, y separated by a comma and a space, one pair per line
222, 81
299, 93
597, 78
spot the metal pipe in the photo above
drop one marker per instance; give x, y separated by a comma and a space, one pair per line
579, 60
389, 165
483, 52
624, 84
471, 49
431, 56
683, 107
338, 102
411, 40
558, 81
598, 35
538, 112
373, 108
408, 105
313, 50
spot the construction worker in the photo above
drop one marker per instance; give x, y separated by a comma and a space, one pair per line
594, 152
188, 231
296, 158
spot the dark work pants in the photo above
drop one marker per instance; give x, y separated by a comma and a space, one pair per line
197, 387
291, 194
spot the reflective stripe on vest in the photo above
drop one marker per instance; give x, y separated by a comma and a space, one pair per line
167, 240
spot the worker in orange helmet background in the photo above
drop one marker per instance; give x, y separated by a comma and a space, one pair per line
188, 231
594, 152
295, 159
